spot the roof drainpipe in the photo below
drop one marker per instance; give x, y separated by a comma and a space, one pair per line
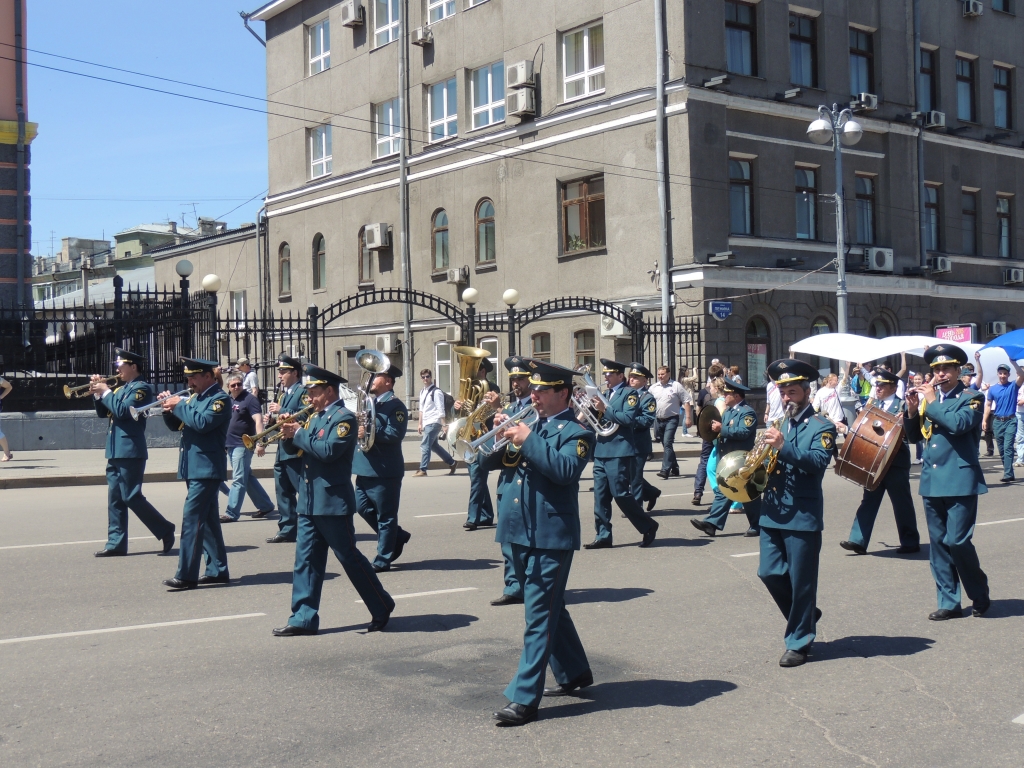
245, 20
19, 101
921, 210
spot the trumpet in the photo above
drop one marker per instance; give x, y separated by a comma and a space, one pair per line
83, 391
471, 450
581, 403
147, 411
273, 432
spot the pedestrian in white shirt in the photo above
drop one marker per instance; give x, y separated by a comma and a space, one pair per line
432, 414
826, 402
673, 400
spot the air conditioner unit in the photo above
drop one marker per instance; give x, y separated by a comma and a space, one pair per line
997, 328
973, 8
519, 74
934, 119
422, 37
941, 265
453, 334
519, 103
377, 236
387, 343
1013, 276
867, 102
612, 329
351, 13
458, 275
880, 260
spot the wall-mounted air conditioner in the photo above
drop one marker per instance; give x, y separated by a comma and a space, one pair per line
377, 236
453, 334
997, 328
458, 275
351, 13
1013, 276
934, 119
387, 343
941, 265
973, 8
422, 37
866, 101
879, 260
519, 74
519, 103
612, 329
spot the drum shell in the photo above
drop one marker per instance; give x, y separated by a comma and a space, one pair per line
870, 447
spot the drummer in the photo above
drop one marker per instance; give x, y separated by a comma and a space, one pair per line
895, 482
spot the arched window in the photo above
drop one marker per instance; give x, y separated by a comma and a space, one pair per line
319, 263
878, 329
284, 269
585, 349
759, 347
485, 246
540, 346
823, 364
365, 259
439, 240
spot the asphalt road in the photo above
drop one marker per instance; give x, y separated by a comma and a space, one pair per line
683, 639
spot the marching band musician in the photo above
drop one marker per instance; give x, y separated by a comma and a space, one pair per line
896, 483
287, 464
481, 511
638, 376
737, 431
539, 523
379, 471
126, 455
326, 505
947, 418
615, 461
792, 510
203, 420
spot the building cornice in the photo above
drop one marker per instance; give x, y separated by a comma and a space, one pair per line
272, 8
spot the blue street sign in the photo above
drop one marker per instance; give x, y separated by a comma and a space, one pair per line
721, 309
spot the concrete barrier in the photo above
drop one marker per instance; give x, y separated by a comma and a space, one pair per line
58, 430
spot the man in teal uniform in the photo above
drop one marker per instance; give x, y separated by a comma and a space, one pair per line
481, 510
287, 464
380, 470
737, 431
615, 461
638, 376
896, 483
326, 505
203, 420
519, 382
947, 418
126, 456
539, 520
792, 510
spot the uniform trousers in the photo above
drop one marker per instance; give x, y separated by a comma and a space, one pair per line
896, 483
124, 492
952, 555
481, 511
642, 490
1006, 434
789, 568
201, 532
720, 507
613, 480
513, 587
287, 479
701, 477
377, 500
317, 534
550, 636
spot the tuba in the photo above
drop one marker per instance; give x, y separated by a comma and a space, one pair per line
743, 476
373, 362
471, 393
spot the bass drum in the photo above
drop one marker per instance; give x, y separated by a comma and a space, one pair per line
870, 447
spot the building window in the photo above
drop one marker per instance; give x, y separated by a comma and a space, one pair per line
965, 90
583, 62
1006, 6
583, 214
485, 240
969, 223
386, 21
319, 263
387, 126
488, 94
439, 240
284, 268
320, 151
1002, 101
741, 220
443, 366
491, 345
440, 9
238, 305
1004, 227
442, 107
823, 364
740, 38
862, 76
540, 346
929, 99
759, 347
319, 38
585, 348
803, 53
865, 188
365, 259
931, 209
806, 204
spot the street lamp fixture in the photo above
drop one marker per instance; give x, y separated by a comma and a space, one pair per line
183, 268
471, 296
510, 297
211, 283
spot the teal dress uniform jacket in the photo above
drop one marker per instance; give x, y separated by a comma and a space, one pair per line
126, 437
385, 458
646, 416
203, 421
738, 433
290, 402
624, 410
288, 467
328, 443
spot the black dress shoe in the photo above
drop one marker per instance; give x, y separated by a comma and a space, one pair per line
981, 607
674, 472
857, 549
751, 533
215, 579
598, 544
469, 526
793, 659
704, 527
378, 624
696, 500
1007, 479
403, 539
649, 536
663, 475
228, 519
652, 502
262, 513
507, 600
817, 615
168, 542
381, 568
179, 584
516, 714
945, 613
290, 630
111, 552
582, 680
908, 549
279, 539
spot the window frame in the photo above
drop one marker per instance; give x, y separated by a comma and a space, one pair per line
323, 59
821, 321
868, 54
390, 29
447, 9
869, 201
435, 230
588, 71
392, 140
933, 220
584, 355
931, 72
750, 28
1006, 89
747, 185
757, 382
584, 202
364, 263
485, 221
1004, 227
449, 91
1008, 7
804, 191
970, 82
486, 343
804, 40
443, 364
540, 354
284, 264
968, 215
495, 105
320, 140
319, 263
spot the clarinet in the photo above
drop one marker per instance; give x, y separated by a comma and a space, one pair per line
272, 417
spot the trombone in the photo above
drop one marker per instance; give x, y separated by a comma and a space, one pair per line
83, 391
471, 450
581, 403
147, 411
273, 432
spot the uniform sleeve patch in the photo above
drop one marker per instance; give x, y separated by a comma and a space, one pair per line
749, 420
974, 403
140, 395
826, 441
306, 400
342, 430
399, 417
582, 448
218, 406
632, 400
651, 407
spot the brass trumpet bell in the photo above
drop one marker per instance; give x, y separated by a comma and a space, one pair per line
736, 481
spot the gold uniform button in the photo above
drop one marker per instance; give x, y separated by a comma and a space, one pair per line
935, 466
516, 501
519, 482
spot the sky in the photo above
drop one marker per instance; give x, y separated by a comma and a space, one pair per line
108, 156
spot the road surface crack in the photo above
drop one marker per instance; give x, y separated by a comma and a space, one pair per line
921, 689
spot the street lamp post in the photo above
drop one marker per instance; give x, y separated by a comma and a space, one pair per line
211, 284
511, 298
471, 296
184, 270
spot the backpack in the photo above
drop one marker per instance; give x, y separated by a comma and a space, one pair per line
449, 403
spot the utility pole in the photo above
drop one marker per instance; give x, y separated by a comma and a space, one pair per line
921, 211
403, 197
21, 181
668, 353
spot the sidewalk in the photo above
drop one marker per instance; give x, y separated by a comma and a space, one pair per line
52, 469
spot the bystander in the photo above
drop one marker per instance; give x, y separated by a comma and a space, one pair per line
432, 413
5, 390
246, 419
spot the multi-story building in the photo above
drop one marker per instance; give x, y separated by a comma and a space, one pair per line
531, 141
